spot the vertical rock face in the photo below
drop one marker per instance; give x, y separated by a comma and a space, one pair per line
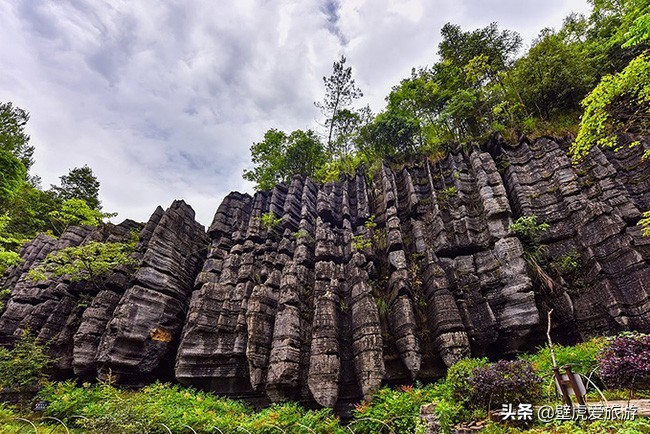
391, 277
146, 323
592, 209
321, 293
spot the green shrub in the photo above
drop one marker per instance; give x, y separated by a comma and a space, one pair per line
459, 378
644, 223
398, 409
290, 417
24, 367
360, 242
106, 408
582, 357
528, 228
569, 262
176, 407
447, 193
91, 262
8, 259
270, 220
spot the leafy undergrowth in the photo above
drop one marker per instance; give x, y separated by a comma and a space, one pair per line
472, 387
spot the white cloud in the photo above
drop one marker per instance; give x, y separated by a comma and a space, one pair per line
164, 99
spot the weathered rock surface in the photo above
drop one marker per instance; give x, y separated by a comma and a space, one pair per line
127, 324
382, 278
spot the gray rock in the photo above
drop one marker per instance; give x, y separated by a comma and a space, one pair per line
324, 307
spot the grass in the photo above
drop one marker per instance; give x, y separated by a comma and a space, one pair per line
157, 408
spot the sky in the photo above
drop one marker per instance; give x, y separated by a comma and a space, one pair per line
164, 99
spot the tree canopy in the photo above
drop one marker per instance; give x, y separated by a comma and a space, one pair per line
79, 183
340, 91
25, 208
13, 138
280, 156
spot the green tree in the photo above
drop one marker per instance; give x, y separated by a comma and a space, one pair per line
90, 262
279, 157
454, 100
24, 367
421, 98
606, 33
620, 103
9, 243
304, 154
13, 138
29, 211
472, 66
75, 212
554, 77
499, 47
79, 183
393, 132
340, 91
12, 176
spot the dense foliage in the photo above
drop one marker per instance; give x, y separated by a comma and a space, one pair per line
103, 408
507, 381
470, 387
625, 362
25, 208
280, 156
481, 84
23, 367
582, 357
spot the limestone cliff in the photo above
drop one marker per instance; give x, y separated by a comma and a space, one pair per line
381, 278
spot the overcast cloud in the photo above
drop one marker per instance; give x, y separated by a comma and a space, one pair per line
164, 99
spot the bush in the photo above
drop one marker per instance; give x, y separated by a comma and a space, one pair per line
397, 409
625, 362
270, 220
23, 367
459, 377
528, 228
107, 409
582, 357
505, 382
289, 417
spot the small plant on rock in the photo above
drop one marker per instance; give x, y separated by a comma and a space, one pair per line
529, 228
447, 193
360, 242
568, 263
529, 231
645, 224
302, 234
270, 220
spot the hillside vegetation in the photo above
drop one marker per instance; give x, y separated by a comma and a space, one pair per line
589, 79
471, 388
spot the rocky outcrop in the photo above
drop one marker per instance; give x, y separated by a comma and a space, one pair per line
52, 309
125, 324
322, 293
